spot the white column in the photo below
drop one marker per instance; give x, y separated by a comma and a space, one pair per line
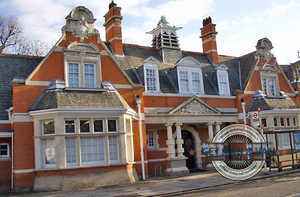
170, 142
218, 124
179, 140
210, 131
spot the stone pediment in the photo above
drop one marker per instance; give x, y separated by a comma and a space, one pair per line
194, 106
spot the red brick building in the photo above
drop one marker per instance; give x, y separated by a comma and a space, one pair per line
94, 113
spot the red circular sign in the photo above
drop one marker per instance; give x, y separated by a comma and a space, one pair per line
255, 115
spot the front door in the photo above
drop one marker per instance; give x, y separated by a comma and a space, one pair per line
188, 145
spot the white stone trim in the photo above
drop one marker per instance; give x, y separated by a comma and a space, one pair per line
24, 171
22, 117
38, 83
123, 86
188, 95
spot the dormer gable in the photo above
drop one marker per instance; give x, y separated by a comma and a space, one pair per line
83, 47
150, 60
223, 79
149, 75
190, 62
188, 76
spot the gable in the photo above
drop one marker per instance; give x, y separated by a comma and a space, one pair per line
189, 61
194, 106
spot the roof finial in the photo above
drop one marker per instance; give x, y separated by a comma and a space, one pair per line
112, 4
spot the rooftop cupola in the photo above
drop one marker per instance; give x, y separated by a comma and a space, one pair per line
164, 35
165, 39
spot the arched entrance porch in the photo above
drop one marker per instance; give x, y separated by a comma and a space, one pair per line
191, 141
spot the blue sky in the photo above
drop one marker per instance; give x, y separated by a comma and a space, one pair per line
240, 23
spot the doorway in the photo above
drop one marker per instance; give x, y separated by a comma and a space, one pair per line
188, 145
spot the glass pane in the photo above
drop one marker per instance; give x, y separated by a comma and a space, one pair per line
49, 149
98, 126
84, 126
113, 148
112, 125
73, 75
184, 81
196, 83
92, 149
151, 79
48, 127
70, 126
71, 150
89, 75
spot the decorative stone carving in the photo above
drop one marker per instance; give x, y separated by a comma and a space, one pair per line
80, 22
195, 107
263, 48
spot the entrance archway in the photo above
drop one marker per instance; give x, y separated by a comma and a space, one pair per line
192, 140
189, 146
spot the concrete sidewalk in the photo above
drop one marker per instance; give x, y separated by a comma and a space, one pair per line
163, 186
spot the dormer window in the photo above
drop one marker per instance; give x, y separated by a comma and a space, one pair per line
223, 81
269, 86
269, 80
82, 66
189, 75
151, 78
148, 74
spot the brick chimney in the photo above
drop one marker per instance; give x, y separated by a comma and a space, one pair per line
113, 28
209, 41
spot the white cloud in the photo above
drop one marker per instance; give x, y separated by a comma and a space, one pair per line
280, 10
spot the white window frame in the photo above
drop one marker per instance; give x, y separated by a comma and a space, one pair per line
75, 126
84, 74
155, 68
42, 127
79, 82
222, 83
114, 160
7, 150
76, 152
270, 83
91, 55
283, 140
51, 165
189, 71
154, 137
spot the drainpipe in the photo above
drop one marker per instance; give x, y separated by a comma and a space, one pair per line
240, 75
138, 102
12, 161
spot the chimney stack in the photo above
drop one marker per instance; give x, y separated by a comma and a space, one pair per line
113, 28
209, 41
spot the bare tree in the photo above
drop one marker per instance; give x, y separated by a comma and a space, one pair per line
31, 47
10, 31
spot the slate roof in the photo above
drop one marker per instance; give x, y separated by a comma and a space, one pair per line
13, 66
69, 99
275, 103
271, 103
135, 55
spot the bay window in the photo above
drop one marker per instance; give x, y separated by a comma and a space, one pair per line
86, 141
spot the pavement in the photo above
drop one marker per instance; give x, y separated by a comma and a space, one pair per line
162, 186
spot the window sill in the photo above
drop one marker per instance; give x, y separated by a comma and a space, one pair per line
5, 159
86, 89
81, 167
